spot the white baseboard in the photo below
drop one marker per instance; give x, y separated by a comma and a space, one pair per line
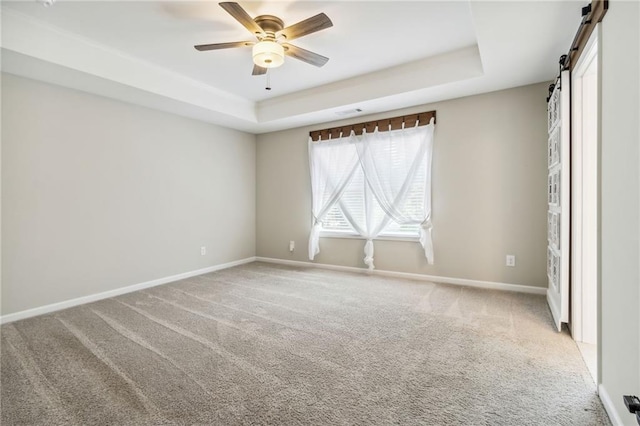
431, 278
4, 319
610, 407
116, 292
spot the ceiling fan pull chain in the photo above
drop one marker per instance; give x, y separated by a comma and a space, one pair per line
268, 80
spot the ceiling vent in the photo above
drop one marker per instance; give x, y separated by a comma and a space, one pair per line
349, 112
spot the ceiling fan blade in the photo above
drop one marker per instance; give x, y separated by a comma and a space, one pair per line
217, 46
308, 26
257, 70
304, 55
235, 10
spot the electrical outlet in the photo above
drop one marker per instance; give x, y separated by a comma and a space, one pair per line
511, 260
292, 245
203, 251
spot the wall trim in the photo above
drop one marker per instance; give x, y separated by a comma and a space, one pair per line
609, 406
445, 280
4, 319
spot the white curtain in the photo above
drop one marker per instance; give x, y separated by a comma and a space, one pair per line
393, 163
397, 170
332, 166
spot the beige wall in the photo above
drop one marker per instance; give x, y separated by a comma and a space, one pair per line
620, 208
99, 194
489, 193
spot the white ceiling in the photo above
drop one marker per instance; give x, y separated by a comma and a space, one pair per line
383, 55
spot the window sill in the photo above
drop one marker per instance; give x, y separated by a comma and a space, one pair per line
378, 238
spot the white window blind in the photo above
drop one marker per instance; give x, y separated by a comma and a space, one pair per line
353, 200
394, 161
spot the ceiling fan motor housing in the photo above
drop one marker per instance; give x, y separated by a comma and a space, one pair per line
269, 23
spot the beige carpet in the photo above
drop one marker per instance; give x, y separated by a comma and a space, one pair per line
264, 344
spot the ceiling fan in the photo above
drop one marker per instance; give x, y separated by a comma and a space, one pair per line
273, 38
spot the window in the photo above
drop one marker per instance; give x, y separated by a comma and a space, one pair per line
353, 200
371, 185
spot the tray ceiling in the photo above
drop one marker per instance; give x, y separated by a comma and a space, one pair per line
383, 55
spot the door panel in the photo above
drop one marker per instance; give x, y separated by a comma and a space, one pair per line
558, 199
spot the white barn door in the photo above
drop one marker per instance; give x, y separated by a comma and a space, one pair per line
558, 151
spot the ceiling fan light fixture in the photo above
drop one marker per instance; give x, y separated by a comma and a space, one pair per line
268, 54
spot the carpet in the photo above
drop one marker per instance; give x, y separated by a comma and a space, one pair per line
276, 345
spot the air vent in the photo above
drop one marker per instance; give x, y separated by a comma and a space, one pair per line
349, 111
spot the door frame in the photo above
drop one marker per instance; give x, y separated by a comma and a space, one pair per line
586, 60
